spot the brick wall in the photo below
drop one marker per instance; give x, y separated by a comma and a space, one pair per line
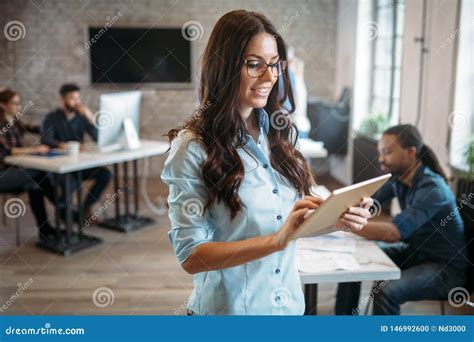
52, 50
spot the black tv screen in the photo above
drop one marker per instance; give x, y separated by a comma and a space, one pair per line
139, 55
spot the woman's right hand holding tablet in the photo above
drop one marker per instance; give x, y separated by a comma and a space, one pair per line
297, 215
354, 219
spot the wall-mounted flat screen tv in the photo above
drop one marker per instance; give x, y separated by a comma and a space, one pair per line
139, 55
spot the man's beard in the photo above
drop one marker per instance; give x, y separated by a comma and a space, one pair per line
397, 172
70, 108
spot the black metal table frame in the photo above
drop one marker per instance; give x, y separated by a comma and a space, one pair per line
127, 221
67, 241
311, 299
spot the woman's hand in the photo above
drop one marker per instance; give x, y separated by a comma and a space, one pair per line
355, 218
41, 149
295, 218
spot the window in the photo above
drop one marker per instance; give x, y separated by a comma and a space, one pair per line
378, 64
461, 120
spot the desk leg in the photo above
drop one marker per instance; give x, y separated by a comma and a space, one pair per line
66, 242
128, 221
116, 190
125, 190
311, 299
80, 209
68, 206
57, 217
136, 197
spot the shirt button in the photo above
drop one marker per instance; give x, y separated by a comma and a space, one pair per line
279, 217
275, 191
259, 141
265, 166
277, 271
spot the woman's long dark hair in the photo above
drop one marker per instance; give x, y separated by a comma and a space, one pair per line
6, 96
409, 136
218, 123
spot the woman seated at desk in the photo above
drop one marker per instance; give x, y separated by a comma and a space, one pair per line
14, 179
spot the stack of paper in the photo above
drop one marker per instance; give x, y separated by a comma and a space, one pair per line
328, 244
310, 261
326, 253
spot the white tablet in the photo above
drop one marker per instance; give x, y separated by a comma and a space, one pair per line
321, 221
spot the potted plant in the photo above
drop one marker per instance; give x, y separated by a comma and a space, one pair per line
373, 125
470, 159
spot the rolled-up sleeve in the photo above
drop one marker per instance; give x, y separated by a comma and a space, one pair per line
427, 201
187, 195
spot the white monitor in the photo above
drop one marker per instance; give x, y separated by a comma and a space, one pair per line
114, 109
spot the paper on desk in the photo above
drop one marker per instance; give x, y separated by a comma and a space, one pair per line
340, 235
328, 244
310, 261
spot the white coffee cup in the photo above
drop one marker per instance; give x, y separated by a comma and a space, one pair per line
73, 148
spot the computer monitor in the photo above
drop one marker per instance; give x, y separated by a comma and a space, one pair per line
114, 109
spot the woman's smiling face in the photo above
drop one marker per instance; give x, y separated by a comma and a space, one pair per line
254, 92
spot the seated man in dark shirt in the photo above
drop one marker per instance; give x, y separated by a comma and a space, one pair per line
69, 123
428, 241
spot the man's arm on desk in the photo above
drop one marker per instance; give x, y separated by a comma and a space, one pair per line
380, 231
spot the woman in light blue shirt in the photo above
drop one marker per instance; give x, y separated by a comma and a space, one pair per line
238, 187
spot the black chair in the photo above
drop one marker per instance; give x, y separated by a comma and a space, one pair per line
330, 122
7, 196
464, 191
15, 193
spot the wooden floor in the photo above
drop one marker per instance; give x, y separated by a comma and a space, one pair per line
130, 274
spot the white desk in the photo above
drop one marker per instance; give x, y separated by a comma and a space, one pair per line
312, 149
68, 241
374, 265
87, 160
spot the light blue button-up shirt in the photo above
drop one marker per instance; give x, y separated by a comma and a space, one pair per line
267, 286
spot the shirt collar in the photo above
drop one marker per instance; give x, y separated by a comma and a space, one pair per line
416, 177
263, 119
419, 174
63, 113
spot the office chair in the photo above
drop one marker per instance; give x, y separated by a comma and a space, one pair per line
6, 196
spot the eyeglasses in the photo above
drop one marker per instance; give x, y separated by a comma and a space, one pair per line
256, 68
